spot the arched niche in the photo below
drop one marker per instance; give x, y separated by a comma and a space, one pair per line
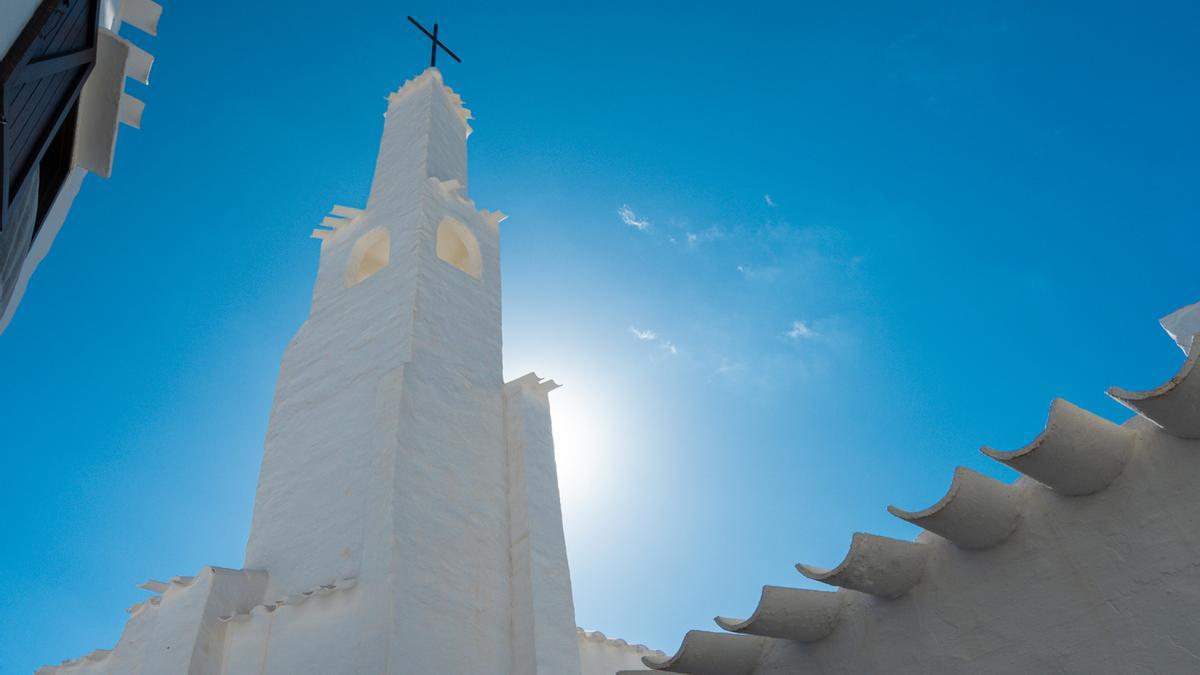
457, 246
369, 255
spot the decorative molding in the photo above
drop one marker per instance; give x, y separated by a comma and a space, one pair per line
791, 614
597, 636
1174, 407
881, 566
977, 512
708, 653
1076, 454
292, 599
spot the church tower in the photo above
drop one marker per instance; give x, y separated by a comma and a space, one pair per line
407, 519
396, 457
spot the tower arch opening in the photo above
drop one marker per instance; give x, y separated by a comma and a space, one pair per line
457, 246
369, 255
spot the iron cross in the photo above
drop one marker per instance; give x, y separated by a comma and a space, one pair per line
436, 43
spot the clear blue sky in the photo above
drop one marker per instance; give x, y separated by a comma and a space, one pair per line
973, 209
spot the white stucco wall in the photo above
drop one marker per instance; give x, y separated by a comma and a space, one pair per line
385, 458
1100, 584
176, 631
544, 639
1087, 564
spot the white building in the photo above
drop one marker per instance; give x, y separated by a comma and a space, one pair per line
62, 101
407, 518
1087, 564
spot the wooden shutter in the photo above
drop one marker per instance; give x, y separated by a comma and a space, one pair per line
40, 80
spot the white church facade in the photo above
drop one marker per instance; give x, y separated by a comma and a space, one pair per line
407, 516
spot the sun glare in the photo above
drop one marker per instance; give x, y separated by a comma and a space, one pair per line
579, 446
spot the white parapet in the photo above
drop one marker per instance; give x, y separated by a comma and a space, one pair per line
708, 653
1021, 578
977, 512
178, 630
1077, 454
602, 655
791, 614
1174, 406
880, 566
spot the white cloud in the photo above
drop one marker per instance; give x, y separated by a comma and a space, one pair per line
650, 336
694, 239
770, 202
800, 331
643, 334
631, 219
768, 273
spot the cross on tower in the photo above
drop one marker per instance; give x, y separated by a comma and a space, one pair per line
436, 43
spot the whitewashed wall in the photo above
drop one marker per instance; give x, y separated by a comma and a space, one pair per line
543, 610
1087, 564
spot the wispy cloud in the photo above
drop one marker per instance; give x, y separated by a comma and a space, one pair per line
695, 239
632, 219
800, 331
646, 335
650, 336
770, 258
768, 273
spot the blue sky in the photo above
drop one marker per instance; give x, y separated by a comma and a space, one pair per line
792, 262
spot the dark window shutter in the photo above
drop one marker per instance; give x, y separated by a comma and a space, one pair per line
40, 80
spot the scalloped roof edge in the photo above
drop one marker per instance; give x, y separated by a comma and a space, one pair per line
597, 636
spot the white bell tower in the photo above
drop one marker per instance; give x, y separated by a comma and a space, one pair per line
407, 519
396, 457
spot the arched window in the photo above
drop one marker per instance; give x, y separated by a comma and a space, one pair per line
457, 246
369, 255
